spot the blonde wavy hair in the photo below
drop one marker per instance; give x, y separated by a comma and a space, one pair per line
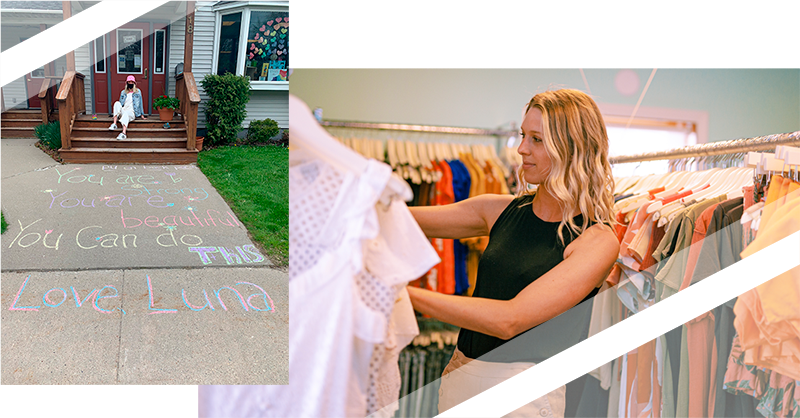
576, 140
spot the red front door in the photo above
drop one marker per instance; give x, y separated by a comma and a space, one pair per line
33, 82
130, 49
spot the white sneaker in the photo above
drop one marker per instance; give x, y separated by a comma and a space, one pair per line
122, 136
112, 127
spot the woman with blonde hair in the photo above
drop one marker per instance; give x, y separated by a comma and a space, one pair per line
128, 108
548, 251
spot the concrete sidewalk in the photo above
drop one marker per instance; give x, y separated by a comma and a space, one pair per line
132, 274
89, 216
169, 326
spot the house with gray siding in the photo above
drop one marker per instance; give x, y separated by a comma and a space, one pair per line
241, 37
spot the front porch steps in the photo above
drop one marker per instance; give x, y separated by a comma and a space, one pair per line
148, 142
19, 123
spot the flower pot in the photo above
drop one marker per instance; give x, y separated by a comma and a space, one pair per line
198, 142
165, 114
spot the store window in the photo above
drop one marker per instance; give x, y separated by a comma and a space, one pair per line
628, 141
254, 42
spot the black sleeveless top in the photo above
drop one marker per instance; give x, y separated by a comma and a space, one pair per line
521, 249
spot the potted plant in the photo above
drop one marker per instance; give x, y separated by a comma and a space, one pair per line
166, 106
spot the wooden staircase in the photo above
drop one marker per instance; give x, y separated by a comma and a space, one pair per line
19, 123
147, 142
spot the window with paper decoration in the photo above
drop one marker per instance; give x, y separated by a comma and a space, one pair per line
267, 51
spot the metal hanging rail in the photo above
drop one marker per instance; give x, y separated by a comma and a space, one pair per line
419, 128
759, 143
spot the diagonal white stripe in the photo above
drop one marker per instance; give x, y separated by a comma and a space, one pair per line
645, 326
69, 35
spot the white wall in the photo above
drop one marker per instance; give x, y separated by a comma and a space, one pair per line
83, 65
202, 51
268, 104
740, 102
15, 95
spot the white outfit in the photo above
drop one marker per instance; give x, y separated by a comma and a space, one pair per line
125, 113
349, 260
465, 378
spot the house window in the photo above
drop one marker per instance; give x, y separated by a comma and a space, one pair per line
229, 43
160, 51
100, 54
253, 41
268, 46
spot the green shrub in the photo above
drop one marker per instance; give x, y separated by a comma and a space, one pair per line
49, 134
226, 107
260, 131
4, 225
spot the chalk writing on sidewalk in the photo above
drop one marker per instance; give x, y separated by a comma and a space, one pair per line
126, 211
240, 296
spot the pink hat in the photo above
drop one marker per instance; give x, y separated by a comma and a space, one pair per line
131, 78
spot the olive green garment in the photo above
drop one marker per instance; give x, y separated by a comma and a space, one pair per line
671, 275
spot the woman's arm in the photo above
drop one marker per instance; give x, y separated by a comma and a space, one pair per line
471, 217
587, 262
140, 106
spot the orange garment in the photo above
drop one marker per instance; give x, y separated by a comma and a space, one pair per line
655, 238
621, 227
491, 183
783, 191
476, 245
644, 369
444, 273
773, 193
478, 178
614, 276
700, 229
500, 176
767, 319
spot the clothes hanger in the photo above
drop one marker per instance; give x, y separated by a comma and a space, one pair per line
379, 151
432, 151
391, 149
422, 151
309, 136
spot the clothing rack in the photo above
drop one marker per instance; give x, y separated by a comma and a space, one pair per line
420, 128
759, 143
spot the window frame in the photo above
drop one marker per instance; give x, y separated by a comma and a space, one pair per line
163, 51
242, 51
141, 41
105, 58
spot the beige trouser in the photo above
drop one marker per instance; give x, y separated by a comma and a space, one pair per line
464, 378
124, 115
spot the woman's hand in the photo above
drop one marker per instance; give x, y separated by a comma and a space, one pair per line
144, 117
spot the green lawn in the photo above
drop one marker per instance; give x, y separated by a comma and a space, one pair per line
254, 180
4, 224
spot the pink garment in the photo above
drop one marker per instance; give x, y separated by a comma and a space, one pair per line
702, 364
630, 234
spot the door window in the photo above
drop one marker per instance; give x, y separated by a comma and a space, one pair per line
129, 47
